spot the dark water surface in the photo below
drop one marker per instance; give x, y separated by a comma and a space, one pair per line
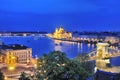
43, 45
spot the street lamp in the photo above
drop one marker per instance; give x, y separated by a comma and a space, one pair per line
12, 64
11, 68
5, 78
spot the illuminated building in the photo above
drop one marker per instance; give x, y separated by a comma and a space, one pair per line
112, 39
2, 57
60, 33
16, 54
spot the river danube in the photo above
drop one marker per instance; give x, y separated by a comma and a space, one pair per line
43, 45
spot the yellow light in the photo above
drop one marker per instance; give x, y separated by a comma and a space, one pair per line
11, 68
13, 57
44, 71
58, 64
63, 64
35, 65
5, 78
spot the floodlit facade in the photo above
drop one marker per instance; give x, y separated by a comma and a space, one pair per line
16, 54
22, 56
60, 33
2, 57
112, 39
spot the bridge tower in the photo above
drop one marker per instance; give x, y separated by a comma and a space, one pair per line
102, 50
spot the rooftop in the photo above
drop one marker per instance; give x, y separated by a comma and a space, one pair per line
13, 46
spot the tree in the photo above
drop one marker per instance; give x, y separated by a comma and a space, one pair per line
85, 63
1, 76
56, 66
23, 76
84, 59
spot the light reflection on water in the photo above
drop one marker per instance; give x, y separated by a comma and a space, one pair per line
42, 45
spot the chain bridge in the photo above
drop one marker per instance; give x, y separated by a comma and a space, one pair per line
102, 55
103, 51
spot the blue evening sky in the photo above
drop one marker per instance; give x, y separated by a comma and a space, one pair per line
46, 15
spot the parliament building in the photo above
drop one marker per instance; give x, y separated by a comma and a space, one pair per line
60, 33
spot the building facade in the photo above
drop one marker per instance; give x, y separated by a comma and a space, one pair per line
2, 57
16, 54
112, 39
23, 56
60, 33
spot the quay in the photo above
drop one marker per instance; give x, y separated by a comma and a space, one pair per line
63, 35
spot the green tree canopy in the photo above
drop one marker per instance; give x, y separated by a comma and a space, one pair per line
56, 66
23, 76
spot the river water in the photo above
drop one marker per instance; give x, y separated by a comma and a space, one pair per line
43, 45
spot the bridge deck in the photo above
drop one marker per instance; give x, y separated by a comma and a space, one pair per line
107, 56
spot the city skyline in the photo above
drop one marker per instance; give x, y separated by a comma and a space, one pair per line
45, 15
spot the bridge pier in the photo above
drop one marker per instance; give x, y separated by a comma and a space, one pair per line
102, 50
102, 64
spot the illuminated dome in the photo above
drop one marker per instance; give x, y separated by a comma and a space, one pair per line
60, 33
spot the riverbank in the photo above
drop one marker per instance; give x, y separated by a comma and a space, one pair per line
102, 75
85, 41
